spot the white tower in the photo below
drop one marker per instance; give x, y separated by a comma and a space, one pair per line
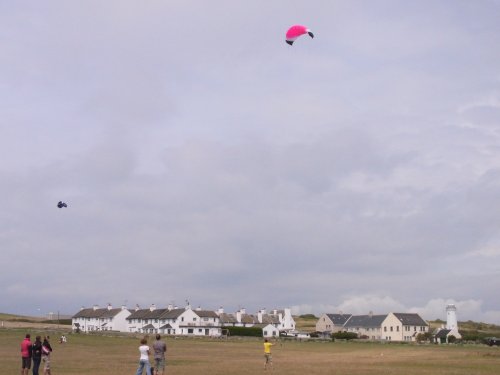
451, 317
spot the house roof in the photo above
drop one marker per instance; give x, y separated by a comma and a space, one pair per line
96, 313
249, 319
227, 318
149, 326
166, 326
270, 319
339, 319
442, 333
206, 314
367, 321
410, 319
147, 314
172, 314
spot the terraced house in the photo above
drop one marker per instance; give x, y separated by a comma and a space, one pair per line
101, 319
174, 321
390, 327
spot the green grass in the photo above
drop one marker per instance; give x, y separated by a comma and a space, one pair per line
101, 354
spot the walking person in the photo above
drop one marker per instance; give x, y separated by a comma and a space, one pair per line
159, 348
267, 354
26, 355
144, 358
36, 350
46, 350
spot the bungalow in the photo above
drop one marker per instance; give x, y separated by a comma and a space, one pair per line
100, 319
270, 330
403, 327
331, 323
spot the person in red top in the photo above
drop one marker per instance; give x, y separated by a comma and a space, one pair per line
26, 355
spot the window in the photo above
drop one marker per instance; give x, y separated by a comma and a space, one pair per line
194, 319
397, 328
385, 329
391, 328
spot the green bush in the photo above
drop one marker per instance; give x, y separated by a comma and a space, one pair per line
344, 336
245, 331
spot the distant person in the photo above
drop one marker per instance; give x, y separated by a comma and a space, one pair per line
267, 354
144, 358
36, 351
46, 350
159, 348
26, 355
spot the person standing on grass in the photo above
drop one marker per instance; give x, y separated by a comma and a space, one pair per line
26, 355
267, 354
144, 358
37, 354
46, 350
159, 348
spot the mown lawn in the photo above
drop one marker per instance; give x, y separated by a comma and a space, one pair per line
99, 355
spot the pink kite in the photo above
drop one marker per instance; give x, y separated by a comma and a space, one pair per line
295, 31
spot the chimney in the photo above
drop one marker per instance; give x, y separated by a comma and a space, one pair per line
82, 308
109, 306
124, 307
370, 314
152, 307
220, 311
260, 315
95, 307
170, 307
238, 315
137, 307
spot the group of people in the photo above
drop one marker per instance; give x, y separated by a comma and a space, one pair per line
159, 350
38, 352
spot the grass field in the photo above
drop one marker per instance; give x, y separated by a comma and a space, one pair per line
113, 355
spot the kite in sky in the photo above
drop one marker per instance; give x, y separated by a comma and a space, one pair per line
296, 31
61, 204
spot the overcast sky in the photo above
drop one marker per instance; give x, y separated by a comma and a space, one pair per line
204, 159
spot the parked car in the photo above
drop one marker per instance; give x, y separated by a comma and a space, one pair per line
492, 341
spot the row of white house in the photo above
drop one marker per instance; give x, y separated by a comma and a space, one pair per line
179, 321
389, 327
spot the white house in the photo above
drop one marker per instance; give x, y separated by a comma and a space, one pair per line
101, 319
175, 321
270, 330
331, 323
403, 327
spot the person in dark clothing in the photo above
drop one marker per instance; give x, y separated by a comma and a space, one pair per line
46, 350
36, 351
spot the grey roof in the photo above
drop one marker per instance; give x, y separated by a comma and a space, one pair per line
147, 314
206, 314
443, 333
165, 326
172, 314
96, 313
249, 319
366, 321
339, 319
149, 326
227, 318
270, 319
410, 319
